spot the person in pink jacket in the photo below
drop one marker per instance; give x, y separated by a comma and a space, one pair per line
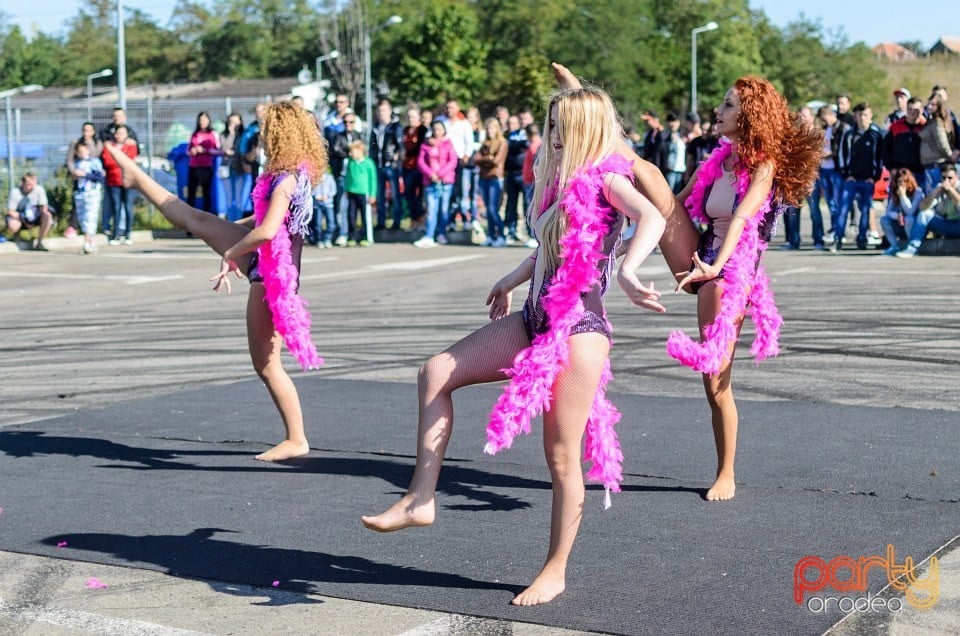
203, 147
438, 165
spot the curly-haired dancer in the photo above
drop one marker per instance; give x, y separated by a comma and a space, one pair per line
767, 159
266, 247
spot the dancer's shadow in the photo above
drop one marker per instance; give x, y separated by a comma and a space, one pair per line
201, 556
38, 443
484, 489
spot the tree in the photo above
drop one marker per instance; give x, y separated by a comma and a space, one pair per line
441, 56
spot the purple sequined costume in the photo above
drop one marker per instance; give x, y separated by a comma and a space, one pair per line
298, 221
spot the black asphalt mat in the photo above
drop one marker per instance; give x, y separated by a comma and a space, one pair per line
168, 483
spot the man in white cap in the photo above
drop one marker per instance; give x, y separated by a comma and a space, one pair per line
900, 98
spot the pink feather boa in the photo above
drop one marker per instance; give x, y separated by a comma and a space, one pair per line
743, 283
535, 368
280, 275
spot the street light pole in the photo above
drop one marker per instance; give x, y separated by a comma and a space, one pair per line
121, 58
323, 58
6, 95
368, 90
107, 72
710, 26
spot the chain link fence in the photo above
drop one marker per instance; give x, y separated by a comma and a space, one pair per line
41, 131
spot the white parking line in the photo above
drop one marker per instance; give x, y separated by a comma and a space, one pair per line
90, 622
129, 280
396, 266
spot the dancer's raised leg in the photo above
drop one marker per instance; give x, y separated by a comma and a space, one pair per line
563, 427
476, 359
724, 416
265, 347
218, 233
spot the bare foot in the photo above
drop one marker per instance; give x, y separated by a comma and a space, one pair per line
406, 513
722, 489
547, 586
284, 450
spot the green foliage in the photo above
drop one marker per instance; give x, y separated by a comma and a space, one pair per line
483, 53
442, 56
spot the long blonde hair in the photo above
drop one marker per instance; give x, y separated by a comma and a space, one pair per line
589, 130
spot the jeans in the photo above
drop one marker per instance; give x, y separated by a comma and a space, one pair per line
323, 225
246, 203
896, 234
236, 185
791, 224
674, 180
340, 208
513, 186
389, 175
491, 191
121, 201
862, 192
931, 178
413, 192
829, 186
468, 193
919, 230
438, 206
943, 227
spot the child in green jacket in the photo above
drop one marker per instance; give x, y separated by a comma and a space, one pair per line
360, 186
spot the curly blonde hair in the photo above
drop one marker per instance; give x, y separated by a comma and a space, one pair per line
767, 130
291, 139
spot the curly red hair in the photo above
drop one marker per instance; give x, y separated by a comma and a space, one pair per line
769, 131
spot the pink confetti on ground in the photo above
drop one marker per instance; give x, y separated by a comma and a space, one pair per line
61, 544
276, 584
96, 584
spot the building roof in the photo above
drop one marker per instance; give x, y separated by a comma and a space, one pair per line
949, 43
892, 51
276, 88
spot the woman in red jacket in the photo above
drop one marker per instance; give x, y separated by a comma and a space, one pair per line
119, 198
204, 146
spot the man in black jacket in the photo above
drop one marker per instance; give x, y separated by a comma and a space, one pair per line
860, 161
901, 146
386, 140
339, 151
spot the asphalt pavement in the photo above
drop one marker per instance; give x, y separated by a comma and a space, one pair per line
130, 414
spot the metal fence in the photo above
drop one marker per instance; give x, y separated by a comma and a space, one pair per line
43, 129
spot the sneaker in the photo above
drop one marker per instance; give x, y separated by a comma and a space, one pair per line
319, 245
532, 243
891, 251
442, 240
836, 247
908, 252
487, 243
351, 243
873, 239
341, 241
70, 232
789, 246
819, 247
425, 242
328, 244
89, 248
114, 241
127, 240
500, 242
363, 243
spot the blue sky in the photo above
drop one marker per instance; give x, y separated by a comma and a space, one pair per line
873, 22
